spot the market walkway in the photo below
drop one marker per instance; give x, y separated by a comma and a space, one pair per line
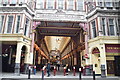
59, 76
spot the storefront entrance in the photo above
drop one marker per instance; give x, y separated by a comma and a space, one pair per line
110, 67
117, 65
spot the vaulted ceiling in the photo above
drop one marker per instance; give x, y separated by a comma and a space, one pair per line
56, 42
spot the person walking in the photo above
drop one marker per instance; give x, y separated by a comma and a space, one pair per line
48, 68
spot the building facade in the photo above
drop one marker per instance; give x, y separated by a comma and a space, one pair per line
97, 22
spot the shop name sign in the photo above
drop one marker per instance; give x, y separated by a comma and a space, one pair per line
112, 48
62, 17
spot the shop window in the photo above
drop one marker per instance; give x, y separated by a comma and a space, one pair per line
1, 23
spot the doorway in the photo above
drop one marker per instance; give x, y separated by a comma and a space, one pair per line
110, 67
117, 65
8, 58
22, 65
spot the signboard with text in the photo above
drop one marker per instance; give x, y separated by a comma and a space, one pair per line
112, 48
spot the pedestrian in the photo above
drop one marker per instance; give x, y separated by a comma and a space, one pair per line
67, 69
48, 68
34, 70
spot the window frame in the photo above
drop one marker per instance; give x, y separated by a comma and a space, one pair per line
38, 5
72, 4
28, 27
2, 26
77, 8
17, 23
12, 2
92, 29
53, 5
6, 25
105, 26
118, 27
111, 25
63, 4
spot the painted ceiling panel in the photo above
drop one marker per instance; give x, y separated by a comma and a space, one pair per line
56, 42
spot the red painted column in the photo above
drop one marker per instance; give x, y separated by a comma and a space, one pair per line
64, 71
54, 70
33, 35
74, 71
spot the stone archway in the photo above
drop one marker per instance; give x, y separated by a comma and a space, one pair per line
96, 60
23, 56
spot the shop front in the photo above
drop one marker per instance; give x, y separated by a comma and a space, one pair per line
113, 59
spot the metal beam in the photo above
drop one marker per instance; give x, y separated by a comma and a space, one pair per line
56, 34
63, 28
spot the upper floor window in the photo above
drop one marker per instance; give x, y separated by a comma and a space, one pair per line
26, 29
1, 23
17, 27
103, 26
80, 4
0, 2
70, 4
40, 4
21, 1
5, 1
116, 3
60, 4
111, 27
13, 1
94, 29
9, 24
108, 3
50, 4
118, 28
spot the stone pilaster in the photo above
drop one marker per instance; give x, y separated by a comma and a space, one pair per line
17, 69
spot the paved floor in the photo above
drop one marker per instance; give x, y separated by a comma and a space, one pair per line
59, 76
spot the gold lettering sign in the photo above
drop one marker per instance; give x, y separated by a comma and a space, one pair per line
113, 47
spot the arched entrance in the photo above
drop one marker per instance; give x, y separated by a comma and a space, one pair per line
51, 29
23, 53
96, 60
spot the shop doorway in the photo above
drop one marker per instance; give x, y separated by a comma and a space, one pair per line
117, 65
110, 67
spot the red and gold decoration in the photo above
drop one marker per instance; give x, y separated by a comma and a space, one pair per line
40, 51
